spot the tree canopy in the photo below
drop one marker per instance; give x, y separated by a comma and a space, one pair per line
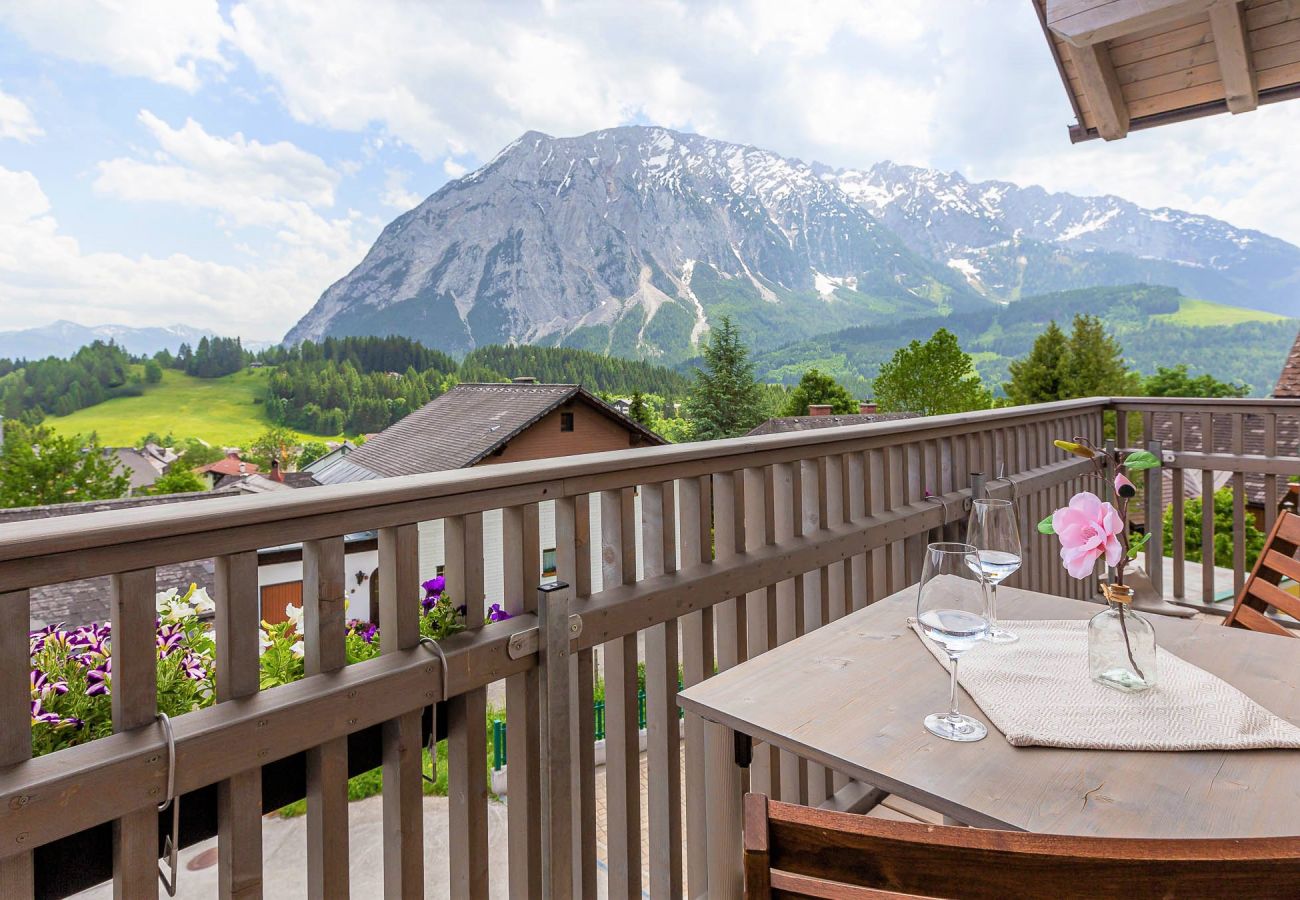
38, 468
1175, 382
725, 400
818, 388
932, 378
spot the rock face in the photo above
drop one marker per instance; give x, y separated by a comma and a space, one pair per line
630, 240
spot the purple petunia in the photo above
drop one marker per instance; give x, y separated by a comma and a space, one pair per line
435, 586
496, 613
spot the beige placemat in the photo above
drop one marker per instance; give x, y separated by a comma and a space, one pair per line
1037, 692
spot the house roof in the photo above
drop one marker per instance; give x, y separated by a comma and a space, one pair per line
1288, 383
787, 424
1252, 439
230, 465
461, 428
141, 466
1132, 64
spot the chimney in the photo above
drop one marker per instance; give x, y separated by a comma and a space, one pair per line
276, 474
867, 407
819, 409
524, 379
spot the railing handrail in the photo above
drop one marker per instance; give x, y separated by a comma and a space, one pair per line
1206, 404
53, 550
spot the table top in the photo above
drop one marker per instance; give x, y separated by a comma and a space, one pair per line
852, 696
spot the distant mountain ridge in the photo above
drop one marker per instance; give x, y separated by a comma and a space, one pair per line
63, 338
631, 240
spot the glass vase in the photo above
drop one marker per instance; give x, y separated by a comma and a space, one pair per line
1121, 644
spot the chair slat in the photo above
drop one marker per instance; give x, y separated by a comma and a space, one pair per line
239, 799
1289, 530
399, 608
836, 849
1287, 566
1276, 597
17, 876
135, 704
1260, 590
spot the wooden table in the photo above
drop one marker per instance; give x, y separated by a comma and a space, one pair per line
852, 695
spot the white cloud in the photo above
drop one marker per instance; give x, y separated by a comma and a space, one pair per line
163, 40
16, 120
395, 192
453, 168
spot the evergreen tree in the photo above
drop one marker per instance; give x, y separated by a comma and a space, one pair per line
1039, 377
725, 400
1095, 363
639, 410
818, 388
933, 379
153, 372
38, 468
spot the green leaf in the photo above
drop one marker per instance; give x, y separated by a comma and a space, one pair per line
1135, 546
1142, 460
1045, 526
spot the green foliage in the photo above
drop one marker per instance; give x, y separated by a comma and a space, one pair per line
1095, 365
1039, 377
725, 400
817, 388
1223, 531
194, 453
274, 443
596, 372
1141, 459
153, 372
177, 481
38, 467
214, 357
640, 411
310, 452
53, 386
1176, 382
934, 378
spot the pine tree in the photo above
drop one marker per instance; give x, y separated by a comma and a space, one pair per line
639, 410
933, 379
1095, 363
725, 400
1040, 376
818, 388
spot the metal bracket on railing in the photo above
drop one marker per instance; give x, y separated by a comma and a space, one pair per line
172, 845
1002, 476
525, 643
942, 501
433, 732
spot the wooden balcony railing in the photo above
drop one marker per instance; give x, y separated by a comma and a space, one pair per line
743, 544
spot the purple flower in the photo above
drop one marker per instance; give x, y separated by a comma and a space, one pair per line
42, 686
434, 586
40, 716
193, 667
496, 613
169, 638
97, 679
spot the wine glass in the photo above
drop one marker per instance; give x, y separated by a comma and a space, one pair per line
995, 534
950, 609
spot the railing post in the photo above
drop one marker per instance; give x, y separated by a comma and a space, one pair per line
1155, 503
17, 876
557, 808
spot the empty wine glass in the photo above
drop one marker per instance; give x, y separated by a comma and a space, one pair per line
995, 534
950, 609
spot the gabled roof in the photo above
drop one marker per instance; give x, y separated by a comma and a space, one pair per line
462, 427
1288, 383
787, 424
230, 465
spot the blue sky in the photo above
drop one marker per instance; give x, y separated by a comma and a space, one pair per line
221, 164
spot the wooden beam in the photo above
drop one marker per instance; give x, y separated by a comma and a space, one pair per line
1236, 68
1085, 22
1101, 87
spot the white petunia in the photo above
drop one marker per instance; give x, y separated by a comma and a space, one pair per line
297, 649
202, 602
294, 615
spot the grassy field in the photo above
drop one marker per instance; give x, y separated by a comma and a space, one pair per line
1204, 313
222, 411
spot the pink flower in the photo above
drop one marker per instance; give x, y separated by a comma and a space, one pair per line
1123, 486
1088, 528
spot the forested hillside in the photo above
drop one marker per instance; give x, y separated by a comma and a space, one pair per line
1156, 326
32, 389
562, 365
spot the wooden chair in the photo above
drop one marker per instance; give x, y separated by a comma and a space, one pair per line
1261, 591
796, 851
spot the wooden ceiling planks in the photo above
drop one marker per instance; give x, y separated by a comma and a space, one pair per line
1147, 62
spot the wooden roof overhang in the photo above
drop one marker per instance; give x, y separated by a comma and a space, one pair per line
1133, 64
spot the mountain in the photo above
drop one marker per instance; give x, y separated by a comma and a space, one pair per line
64, 338
630, 240
1155, 325
1014, 241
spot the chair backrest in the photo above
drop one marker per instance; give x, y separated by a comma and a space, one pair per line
795, 851
1261, 591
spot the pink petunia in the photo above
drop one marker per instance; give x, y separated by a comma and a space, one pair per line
1088, 529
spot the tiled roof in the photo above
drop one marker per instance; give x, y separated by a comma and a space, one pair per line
1288, 383
460, 428
88, 600
788, 424
231, 465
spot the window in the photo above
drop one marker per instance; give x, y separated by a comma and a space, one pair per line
566, 421
548, 563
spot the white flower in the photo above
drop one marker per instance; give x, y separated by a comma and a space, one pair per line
163, 600
202, 602
262, 642
297, 649
294, 615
